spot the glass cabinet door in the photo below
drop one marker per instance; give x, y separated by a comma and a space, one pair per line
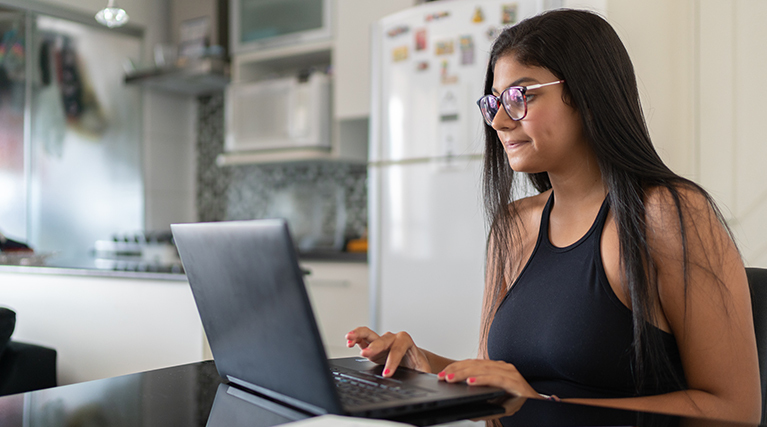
267, 23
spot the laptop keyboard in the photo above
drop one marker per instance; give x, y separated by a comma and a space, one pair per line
354, 390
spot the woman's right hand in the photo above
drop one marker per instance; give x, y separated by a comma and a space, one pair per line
390, 350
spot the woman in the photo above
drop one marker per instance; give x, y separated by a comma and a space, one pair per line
618, 284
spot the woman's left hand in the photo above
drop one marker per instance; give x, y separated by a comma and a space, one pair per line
489, 373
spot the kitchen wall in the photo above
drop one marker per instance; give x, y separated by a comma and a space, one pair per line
325, 203
700, 67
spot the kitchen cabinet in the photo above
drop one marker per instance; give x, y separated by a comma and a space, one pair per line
351, 53
104, 326
339, 295
347, 56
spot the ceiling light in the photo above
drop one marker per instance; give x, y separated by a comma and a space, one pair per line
112, 16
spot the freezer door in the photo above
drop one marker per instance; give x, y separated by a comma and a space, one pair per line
428, 71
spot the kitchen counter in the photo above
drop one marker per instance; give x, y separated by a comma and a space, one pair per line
107, 322
334, 256
83, 270
104, 323
78, 271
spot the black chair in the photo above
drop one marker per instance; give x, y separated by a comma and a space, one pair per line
23, 367
757, 281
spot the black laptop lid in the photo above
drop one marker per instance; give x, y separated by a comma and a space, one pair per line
253, 305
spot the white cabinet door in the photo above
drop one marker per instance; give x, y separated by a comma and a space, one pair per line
339, 295
351, 52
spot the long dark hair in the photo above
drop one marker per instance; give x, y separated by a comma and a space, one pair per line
581, 48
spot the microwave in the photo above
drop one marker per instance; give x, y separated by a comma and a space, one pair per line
279, 114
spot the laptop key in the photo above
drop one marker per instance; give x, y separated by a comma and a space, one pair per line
355, 391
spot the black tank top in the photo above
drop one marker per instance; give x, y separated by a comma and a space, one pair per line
562, 326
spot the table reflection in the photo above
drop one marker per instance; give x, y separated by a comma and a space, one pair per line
194, 395
178, 396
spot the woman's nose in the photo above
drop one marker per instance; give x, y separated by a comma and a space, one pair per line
502, 120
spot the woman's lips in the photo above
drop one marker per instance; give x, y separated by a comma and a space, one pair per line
509, 145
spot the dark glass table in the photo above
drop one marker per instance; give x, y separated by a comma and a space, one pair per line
195, 395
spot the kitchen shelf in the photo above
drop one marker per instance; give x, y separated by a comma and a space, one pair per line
198, 77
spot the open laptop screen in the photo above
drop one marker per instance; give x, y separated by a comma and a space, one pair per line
250, 293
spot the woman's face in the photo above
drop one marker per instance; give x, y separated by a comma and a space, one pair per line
550, 137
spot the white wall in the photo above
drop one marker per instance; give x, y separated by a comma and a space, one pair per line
700, 66
170, 136
730, 142
659, 37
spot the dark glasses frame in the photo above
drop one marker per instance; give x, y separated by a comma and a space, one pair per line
506, 99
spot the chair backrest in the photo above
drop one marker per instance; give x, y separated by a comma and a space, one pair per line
757, 281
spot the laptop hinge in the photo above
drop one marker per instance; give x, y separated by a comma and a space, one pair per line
279, 396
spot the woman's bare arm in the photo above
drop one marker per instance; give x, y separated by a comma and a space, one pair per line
710, 318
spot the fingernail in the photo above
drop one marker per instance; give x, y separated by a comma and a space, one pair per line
349, 342
441, 374
386, 371
450, 376
471, 380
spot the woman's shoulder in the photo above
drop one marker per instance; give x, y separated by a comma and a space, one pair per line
529, 209
683, 218
665, 205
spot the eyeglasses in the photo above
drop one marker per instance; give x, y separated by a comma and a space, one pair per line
513, 99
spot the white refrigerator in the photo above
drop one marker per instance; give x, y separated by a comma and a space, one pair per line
426, 225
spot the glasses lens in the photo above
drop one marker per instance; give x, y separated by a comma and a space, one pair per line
488, 105
514, 101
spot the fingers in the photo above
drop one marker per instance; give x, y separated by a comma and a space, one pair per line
489, 373
361, 336
390, 350
387, 350
399, 347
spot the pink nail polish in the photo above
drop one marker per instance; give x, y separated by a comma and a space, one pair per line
441, 374
451, 376
386, 371
471, 380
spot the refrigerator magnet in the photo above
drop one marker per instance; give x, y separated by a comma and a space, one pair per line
509, 14
444, 47
445, 76
437, 16
399, 29
466, 44
420, 39
478, 16
399, 54
422, 66
492, 33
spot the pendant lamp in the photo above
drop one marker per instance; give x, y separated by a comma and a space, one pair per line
112, 16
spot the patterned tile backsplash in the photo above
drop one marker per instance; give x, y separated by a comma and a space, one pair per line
325, 203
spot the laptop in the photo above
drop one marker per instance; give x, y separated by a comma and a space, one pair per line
249, 291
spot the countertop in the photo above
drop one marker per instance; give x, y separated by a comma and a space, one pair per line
82, 269
74, 271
